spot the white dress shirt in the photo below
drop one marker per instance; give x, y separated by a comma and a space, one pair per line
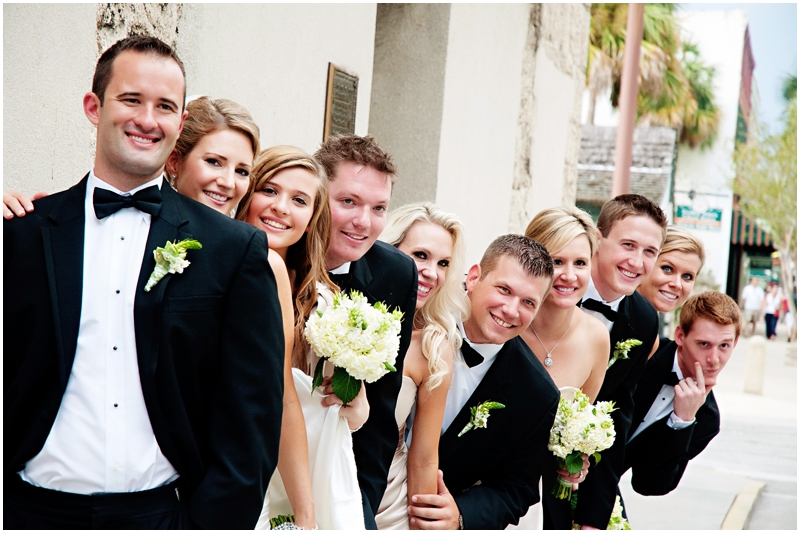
465, 379
591, 292
343, 269
102, 440
664, 404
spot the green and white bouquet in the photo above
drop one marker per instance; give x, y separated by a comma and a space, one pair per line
617, 521
580, 428
359, 339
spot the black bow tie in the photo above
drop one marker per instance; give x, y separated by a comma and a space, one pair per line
471, 356
342, 280
106, 202
672, 379
600, 307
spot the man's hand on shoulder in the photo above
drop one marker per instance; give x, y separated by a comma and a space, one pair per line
690, 395
434, 511
18, 203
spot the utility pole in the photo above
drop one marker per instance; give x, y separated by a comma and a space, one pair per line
629, 91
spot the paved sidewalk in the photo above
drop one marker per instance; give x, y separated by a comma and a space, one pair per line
747, 476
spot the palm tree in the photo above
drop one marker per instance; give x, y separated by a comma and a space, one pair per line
675, 87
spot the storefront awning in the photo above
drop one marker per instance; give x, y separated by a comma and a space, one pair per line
745, 231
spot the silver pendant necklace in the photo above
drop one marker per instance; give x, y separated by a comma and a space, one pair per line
549, 359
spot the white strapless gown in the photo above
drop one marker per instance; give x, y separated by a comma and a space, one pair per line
393, 510
334, 483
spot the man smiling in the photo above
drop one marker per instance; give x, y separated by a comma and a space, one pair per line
490, 473
361, 176
128, 407
631, 231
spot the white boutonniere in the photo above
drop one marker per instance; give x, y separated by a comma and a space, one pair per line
171, 259
621, 350
480, 415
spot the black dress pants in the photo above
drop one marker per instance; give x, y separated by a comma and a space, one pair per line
28, 507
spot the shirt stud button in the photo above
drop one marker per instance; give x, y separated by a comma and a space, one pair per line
116, 405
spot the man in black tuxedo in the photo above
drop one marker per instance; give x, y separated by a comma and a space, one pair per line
675, 414
126, 407
489, 475
361, 175
631, 231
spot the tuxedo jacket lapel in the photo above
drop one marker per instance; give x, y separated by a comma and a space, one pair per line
164, 227
653, 379
63, 250
361, 277
491, 388
620, 331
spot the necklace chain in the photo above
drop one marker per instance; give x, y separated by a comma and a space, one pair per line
548, 360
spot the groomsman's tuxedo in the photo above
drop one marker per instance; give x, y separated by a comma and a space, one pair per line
209, 348
493, 472
659, 454
637, 319
383, 274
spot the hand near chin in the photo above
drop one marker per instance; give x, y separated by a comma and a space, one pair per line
690, 395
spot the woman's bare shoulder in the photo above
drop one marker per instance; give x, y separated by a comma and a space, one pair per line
595, 331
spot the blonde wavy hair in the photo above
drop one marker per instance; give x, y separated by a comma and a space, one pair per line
306, 257
556, 227
439, 316
681, 240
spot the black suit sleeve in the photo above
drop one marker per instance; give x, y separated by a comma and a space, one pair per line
505, 496
662, 453
246, 405
598, 491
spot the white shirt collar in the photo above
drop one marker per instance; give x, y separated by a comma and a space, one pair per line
592, 293
676, 367
488, 351
343, 269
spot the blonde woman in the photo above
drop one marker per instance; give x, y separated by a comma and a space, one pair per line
434, 239
572, 345
672, 279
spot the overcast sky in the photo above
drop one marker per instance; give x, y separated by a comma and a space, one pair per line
773, 39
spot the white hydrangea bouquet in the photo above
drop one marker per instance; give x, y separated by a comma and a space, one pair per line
580, 428
617, 522
359, 339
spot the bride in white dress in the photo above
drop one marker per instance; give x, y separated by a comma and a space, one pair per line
316, 476
434, 239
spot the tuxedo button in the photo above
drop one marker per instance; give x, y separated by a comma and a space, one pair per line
122, 238
116, 405
117, 291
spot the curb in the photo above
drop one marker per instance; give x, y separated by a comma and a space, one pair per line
742, 506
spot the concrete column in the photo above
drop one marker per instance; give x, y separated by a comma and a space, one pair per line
408, 93
754, 370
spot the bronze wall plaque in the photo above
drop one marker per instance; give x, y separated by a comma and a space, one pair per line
340, 104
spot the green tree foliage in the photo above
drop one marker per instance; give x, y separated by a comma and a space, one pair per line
675, 86
766, 181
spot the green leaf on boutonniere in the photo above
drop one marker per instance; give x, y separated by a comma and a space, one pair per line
171, 259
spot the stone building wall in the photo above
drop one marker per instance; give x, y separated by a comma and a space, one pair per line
652, 164
548, 126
